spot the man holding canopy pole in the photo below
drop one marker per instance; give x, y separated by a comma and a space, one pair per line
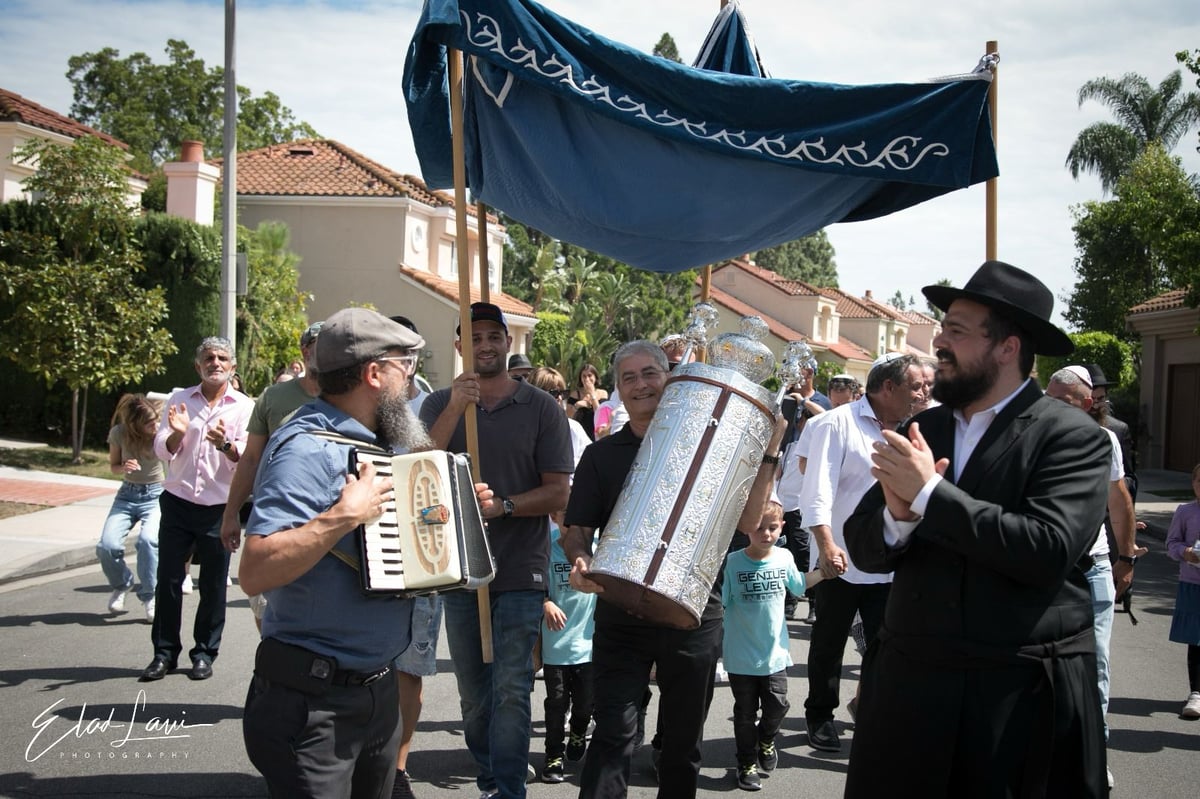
525, 447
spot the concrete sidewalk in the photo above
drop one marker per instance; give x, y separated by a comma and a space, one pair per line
62, 536
65, 536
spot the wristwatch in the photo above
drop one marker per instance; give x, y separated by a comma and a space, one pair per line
228, 445
770, 459
1130, 559
509, 507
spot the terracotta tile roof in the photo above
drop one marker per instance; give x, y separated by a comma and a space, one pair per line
851, 307
847, 349
1166, 301
843, 348
325, 168
787, 286
15, 108
917, 318
328, 168
777, 328
507, 303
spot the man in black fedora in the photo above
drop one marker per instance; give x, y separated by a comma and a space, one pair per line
983, 679
1102, 412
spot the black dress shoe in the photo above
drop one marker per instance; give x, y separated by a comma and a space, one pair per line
823, 736
201, 669
157, 669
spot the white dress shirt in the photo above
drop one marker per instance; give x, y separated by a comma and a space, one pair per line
839, 473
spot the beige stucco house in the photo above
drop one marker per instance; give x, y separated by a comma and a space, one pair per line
1170, 381
367, 235
839, 327
21, 120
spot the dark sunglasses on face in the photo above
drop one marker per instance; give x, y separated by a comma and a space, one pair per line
557, 393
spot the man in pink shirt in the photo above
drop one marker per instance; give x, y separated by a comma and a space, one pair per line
201, 437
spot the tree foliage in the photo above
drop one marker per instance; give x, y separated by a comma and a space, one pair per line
1145, 115
666, 48
590, 303
1192, 62
1114, 356
155, 107
810, 259
934, 311
1143, 242
270, 318
74, 310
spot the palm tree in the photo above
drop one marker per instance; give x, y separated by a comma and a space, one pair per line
1144, 115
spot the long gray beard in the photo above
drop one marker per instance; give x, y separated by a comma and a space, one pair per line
398, 427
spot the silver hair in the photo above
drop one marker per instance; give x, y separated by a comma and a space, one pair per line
216, 344
893, 370
640, 347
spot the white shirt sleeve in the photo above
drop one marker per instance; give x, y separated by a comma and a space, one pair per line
825, 455
895, 532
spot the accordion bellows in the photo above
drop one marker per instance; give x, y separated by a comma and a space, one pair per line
432, 536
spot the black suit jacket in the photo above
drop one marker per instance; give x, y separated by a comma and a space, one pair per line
995, 560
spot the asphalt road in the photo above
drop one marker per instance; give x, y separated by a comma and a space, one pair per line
74, 721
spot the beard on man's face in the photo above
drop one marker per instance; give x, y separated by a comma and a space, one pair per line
397, 426
967, 384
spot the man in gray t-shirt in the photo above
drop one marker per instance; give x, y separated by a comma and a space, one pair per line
525, 456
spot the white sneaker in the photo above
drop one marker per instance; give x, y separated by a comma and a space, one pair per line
116, 600
187, 584
149, 605
1191, 708
1111, 782
228, 580
721, 675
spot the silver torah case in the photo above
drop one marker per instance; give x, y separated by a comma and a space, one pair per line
665, 542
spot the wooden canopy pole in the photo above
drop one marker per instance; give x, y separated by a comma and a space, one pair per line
990, 235
464, 306
485, 284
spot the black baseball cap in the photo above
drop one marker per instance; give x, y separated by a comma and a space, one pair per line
484, 312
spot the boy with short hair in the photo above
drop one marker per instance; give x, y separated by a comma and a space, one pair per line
567, 626
757, 581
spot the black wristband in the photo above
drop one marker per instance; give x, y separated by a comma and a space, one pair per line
772, 460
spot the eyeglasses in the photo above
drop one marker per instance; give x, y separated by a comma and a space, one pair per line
834, 385
407, 362
557, 393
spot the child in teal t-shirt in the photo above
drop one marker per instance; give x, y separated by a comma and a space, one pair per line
567, 625
757, 581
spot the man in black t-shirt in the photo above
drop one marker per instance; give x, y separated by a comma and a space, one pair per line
625, 647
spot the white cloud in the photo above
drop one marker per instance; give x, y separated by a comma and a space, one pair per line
338, 66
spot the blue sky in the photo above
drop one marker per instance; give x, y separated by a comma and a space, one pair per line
337, 64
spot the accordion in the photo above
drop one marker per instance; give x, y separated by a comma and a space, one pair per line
431, 537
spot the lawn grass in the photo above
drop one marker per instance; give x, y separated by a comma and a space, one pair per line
58, 460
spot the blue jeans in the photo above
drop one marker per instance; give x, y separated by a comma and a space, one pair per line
133, 504
495, 696
1104, 596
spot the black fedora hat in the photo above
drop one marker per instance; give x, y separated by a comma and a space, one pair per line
1018, 295
1097, 375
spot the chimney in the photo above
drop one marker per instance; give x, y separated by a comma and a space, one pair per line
191, 184
868, 295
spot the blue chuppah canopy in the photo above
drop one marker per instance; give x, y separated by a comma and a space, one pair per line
668, 167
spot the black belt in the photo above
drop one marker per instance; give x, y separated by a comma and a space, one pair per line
306, 671
343, 677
